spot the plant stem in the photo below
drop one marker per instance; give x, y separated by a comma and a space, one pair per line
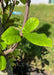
25, 19
26, 14
10, 13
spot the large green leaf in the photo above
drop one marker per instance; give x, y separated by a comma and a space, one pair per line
23, 1
3, 45
30, 25
38, 39
2, 63
11, 36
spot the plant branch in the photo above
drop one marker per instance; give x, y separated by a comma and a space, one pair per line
2, 6
26, 14
6, 5
11, 49
10, 13
25, 19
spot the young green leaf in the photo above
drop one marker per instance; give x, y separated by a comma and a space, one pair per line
30, 25
38, 39
2, 63
11, 36
3, 45
23, 1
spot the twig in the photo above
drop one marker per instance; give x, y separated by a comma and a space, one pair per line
10, 13
2, 6
11, 49
26, 14
6, 5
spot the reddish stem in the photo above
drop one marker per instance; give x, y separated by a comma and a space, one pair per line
26, 15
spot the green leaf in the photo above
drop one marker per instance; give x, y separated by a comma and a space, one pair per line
38, 39
6, 1
12, 61
23, 1
2, 63
11, 36
16, 52
3, 45
30, 25
17, 2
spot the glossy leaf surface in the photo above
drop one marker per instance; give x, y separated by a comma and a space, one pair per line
38, 39
11, 36
30, 25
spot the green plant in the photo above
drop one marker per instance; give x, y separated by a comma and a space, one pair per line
14, 36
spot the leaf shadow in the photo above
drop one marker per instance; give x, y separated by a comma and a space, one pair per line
39, 52
44, 29
36, 51
31, 52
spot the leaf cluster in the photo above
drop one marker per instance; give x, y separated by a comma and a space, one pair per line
12, 35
